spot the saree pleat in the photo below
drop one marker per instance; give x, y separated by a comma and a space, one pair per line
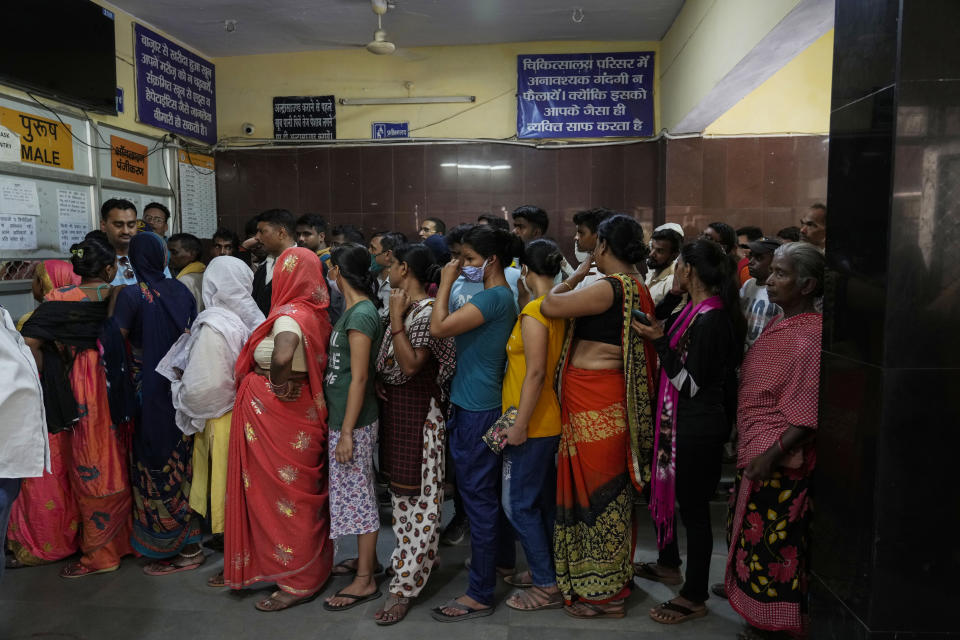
277, 519
592, 540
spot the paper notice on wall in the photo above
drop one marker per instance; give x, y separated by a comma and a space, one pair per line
18, 232
9, 146
198, 194
74, 211
19, 197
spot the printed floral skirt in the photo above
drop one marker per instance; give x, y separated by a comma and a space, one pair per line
766, 567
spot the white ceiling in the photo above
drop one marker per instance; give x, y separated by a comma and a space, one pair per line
275, 26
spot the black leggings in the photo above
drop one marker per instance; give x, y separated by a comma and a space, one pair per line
698, 474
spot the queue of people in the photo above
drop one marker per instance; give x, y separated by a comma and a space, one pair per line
237, 398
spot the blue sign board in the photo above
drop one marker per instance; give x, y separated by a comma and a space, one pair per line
380, 130
585, 95
119, 99
175, 88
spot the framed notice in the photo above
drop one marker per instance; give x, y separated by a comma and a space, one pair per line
175, 87
588, 95
304, 118
198, 194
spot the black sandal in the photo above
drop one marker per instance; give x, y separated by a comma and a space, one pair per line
357, 600
685, 613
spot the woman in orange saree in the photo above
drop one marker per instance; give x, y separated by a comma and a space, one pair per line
98, 448
277, 508
44, 519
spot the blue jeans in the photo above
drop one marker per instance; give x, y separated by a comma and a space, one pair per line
530, 502
478, 479
9, 488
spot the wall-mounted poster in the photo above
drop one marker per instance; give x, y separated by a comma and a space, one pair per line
304, 118
588, 95
128, 160
43, 141
175, 87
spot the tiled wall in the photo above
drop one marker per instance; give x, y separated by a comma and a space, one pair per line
386, 188
764, 181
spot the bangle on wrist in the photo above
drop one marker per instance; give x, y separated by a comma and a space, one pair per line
398, 331
566, 284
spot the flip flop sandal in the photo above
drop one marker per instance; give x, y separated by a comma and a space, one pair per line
438, 614
685, 613
599, 612
216, 581
167, 567
527, 597
514, 581
399, 601
348, 570
260, 606
80, 570
647, 571
357, 600
719, 589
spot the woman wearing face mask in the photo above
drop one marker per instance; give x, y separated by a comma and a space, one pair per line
606, 438
349, 388
481, 328
529, 470
414, 370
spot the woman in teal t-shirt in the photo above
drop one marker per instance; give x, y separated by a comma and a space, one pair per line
481, 329
353, 412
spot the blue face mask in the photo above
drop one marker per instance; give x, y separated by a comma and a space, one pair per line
374, 266
473, 274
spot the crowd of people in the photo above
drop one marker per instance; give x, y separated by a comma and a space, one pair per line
256, 405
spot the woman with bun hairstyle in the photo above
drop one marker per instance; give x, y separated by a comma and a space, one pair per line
40, 535
606, 389
700, 349
529, 467
481, 328
414, 370
350, 390
64, 335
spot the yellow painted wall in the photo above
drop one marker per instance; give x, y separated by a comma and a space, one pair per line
707, 39
796, 99
246, 86
123, 31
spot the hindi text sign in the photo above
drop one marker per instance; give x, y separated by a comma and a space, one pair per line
304, 118
587, 95
128, 160
175, 87
42, 141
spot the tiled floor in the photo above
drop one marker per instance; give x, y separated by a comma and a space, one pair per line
36, 603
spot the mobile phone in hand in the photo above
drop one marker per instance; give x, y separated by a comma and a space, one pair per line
640, 317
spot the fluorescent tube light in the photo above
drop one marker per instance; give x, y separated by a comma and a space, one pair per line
423, 100
484, 167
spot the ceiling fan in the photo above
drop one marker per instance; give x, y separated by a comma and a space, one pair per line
380, 45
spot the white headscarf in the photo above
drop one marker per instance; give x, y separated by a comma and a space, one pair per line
199, 366
227, 284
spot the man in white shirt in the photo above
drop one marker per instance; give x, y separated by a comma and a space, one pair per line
24, 449
276, 231
754, 301
662, 261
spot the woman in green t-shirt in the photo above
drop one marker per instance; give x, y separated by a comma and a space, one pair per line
352, 403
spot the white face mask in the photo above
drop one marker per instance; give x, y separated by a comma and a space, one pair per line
581, 256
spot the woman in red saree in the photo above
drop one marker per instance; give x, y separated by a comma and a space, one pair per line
44, 519
98, 449
277, 509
